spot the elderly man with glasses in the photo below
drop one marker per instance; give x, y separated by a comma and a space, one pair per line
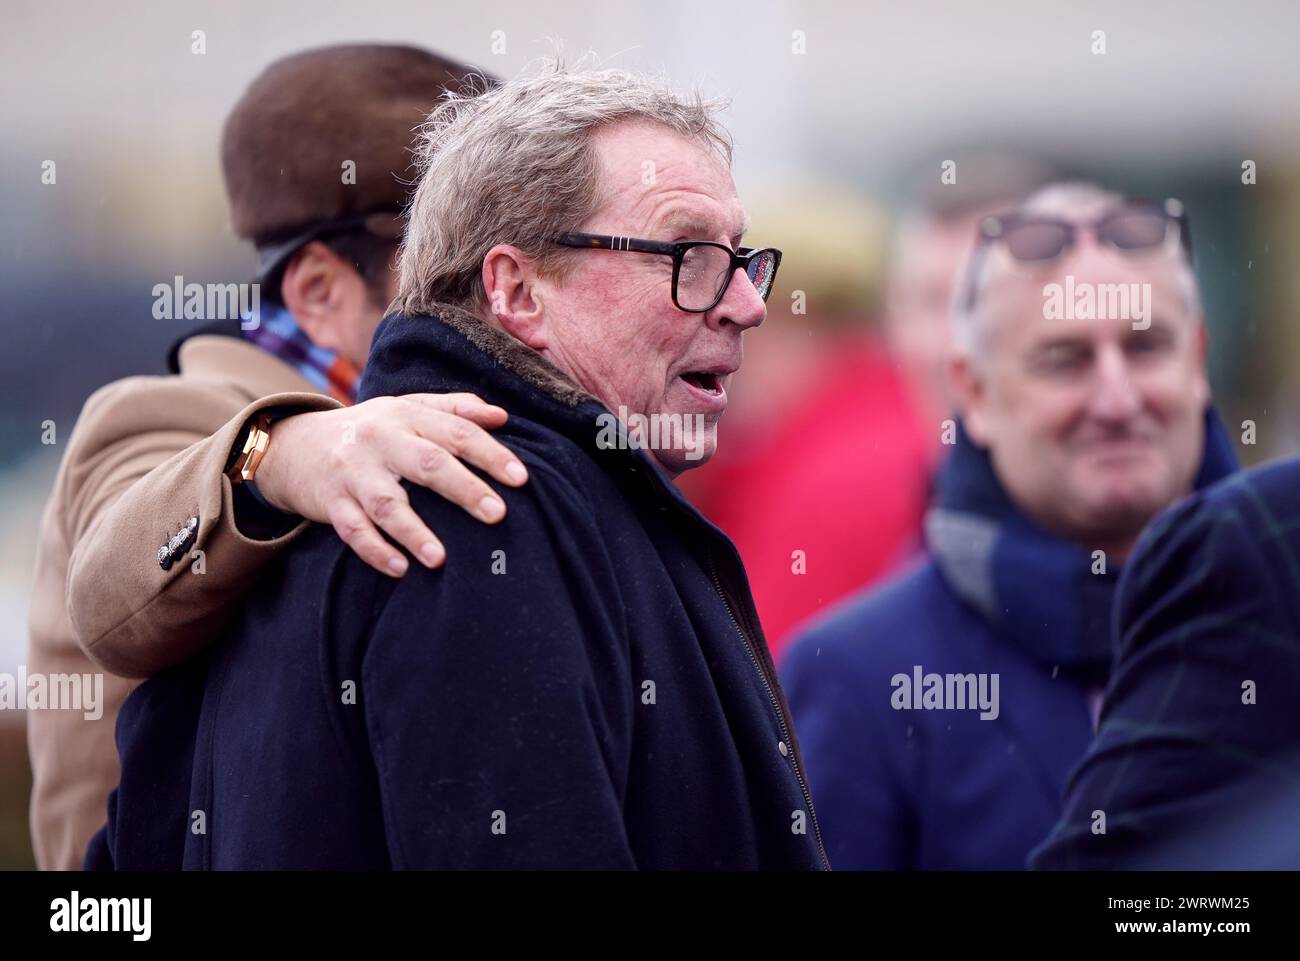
942, 713
585, 685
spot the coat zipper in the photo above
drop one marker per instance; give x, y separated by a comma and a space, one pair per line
776, 709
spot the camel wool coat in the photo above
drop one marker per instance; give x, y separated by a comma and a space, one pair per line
143, 469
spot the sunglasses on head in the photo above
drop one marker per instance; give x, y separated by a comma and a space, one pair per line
1030, 238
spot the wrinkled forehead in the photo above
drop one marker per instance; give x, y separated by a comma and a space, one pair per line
656, 181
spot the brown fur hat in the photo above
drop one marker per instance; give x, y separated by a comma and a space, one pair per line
286, 143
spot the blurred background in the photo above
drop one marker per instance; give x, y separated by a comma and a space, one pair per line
843, 114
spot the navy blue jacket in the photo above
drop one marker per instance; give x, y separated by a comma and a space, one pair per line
583, 685
920, 788
1196, 764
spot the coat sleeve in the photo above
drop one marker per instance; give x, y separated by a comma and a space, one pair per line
857, 779
497, 691
1200, 708
147, 455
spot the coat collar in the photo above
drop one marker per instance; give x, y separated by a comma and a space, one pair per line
239, 364
514, 356
455, 350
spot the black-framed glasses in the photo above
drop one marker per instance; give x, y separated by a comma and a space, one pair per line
702, 269
1132, 226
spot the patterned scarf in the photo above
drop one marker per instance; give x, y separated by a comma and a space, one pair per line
279, 334
1037, 592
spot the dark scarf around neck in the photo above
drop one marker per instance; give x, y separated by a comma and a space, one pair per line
1037, 592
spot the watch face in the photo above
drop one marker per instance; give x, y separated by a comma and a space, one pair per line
259, 438
238, 471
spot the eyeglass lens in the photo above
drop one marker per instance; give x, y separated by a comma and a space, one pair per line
705, 271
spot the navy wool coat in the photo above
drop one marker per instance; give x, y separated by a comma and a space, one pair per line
584, 685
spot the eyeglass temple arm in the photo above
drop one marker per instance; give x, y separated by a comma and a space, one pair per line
612, 242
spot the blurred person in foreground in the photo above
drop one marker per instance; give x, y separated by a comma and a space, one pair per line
941, 713
823, 478
156, 526
1196, 763
587, 684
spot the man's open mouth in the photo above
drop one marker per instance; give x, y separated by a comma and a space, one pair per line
708, 382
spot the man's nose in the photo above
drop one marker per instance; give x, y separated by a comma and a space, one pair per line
1115, 396
740, 305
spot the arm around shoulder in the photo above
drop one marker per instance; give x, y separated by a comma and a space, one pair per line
157, 557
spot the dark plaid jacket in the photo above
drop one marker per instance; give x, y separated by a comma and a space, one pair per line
1197, 760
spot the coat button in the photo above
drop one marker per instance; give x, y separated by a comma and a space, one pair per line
780, 746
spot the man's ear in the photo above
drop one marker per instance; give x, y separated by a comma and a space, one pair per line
971, 396
510, 282
318, 288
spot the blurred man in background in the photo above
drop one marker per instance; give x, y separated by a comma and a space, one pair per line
155, 528
942, 712
931, 245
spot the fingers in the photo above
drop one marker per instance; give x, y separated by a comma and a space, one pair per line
378, 501
433, 466
470, 406
422, 438
472, 444
355, 530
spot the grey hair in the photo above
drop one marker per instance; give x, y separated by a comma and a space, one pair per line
1061, 198
514, 164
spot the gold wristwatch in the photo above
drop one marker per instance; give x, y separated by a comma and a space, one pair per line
256, 440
